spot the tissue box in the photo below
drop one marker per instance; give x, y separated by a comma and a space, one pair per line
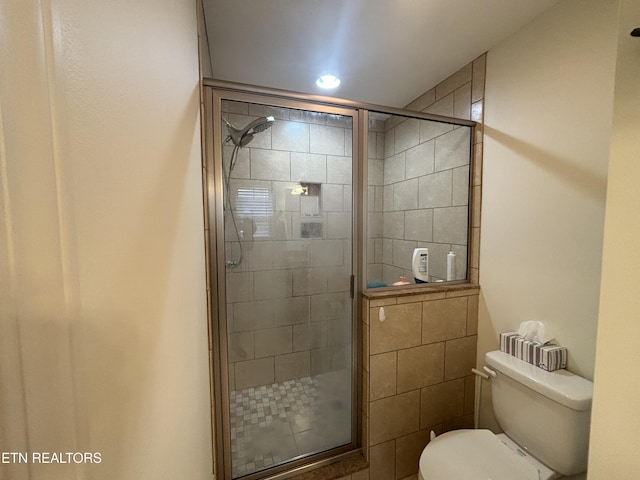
547, 357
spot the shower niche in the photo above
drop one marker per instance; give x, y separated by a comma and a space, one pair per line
311, 218
307, 200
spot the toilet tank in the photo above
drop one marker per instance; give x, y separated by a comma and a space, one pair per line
546, 413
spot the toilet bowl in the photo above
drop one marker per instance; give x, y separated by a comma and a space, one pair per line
545, 417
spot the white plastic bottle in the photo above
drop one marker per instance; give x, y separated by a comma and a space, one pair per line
451, 266
420, 264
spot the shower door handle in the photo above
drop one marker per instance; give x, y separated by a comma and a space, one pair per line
352, 285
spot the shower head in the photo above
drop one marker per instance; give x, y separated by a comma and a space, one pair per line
241, 137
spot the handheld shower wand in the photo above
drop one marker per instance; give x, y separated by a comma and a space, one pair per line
241, 137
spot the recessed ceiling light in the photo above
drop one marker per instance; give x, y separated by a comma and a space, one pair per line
328, 81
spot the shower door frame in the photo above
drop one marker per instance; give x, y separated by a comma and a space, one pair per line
214, 92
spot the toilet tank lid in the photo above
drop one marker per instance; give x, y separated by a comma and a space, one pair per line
561, 386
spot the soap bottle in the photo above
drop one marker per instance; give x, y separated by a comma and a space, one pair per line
420, 264
451, 266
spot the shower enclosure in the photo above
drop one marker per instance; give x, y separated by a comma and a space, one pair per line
286, 187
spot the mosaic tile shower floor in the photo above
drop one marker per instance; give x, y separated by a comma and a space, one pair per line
273, 424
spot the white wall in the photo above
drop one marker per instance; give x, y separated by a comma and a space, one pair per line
103, 330
549, 92
615, 423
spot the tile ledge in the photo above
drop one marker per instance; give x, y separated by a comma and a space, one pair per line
404, 291
333, 471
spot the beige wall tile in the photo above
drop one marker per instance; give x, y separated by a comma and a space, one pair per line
308, 167
407, 134
339, 332
339, 170
444, 319
309, 335
462, 102
408, 451
239, 287
405, 195
400, 329
365, 346
294, 365
326, 253
330, 306
475, 249
477, 111
274, 341
309, 281
476, 179
361, 475
382, 461
327, 140
394, 168
423, 101
460, 193
450, 225
254, 373
421, 297
330, 359
476, 204
383, 375
435, 190
394, 416
272, 284
365, 396
249, 316
463, 292
420, 366
472, 315
270, 164
418, 227
241, 346
419, 160
452, 149
460, 357
465, 421
442, 402
291, 311
478, 76
455, 81
474, 275
393, 225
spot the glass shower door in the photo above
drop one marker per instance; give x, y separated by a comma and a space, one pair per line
287, 209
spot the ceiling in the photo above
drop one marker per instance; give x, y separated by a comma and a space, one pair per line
386, 52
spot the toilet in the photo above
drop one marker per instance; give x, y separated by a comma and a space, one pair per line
545, 417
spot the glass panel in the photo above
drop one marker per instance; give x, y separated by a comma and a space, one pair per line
288, 248
418, 200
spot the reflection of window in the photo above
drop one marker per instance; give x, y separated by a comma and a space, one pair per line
257, 204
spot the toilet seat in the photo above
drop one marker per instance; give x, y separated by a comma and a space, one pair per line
474, 455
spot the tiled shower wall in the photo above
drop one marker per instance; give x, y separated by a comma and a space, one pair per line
416, 363
288, 302
422, 186
419, 182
